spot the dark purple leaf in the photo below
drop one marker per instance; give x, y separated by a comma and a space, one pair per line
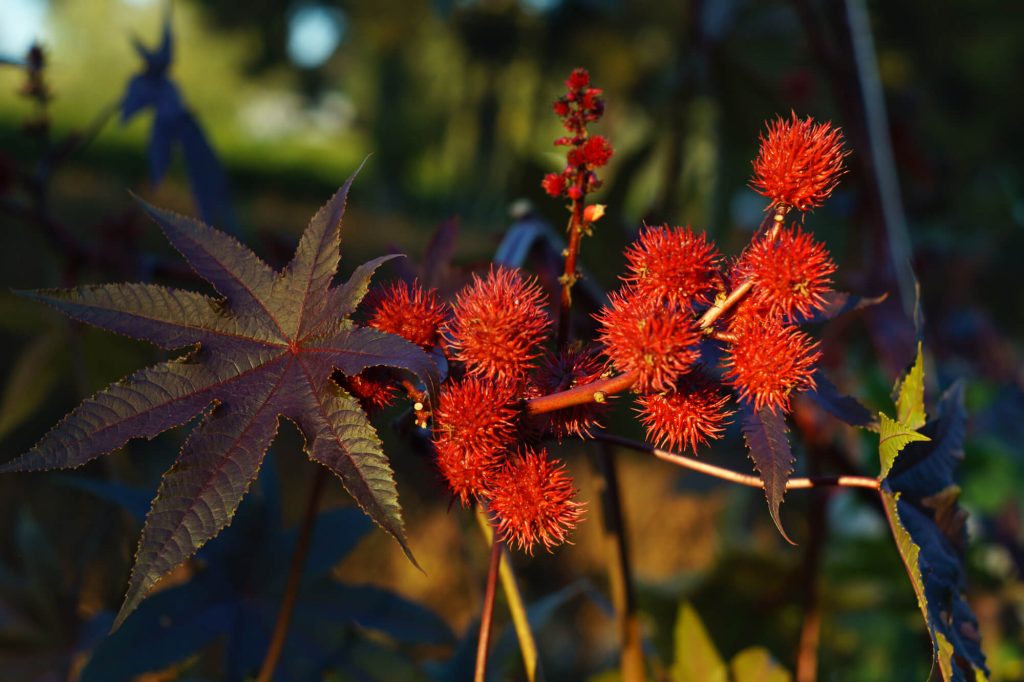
839, 303
843, 407
205, 175
765, 434
257, 359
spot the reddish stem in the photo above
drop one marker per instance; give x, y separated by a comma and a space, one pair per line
487, 615
593, 392
572, 251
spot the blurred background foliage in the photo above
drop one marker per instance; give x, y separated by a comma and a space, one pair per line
451, 99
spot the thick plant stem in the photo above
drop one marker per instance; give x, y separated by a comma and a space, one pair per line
291, 590
735, 477
631, 660
487, 615
594, 392
516, 606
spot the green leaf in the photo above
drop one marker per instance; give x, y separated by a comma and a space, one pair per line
893, 437
696, 658
920, 500
755, 664
910, 395
765, 434
267, 349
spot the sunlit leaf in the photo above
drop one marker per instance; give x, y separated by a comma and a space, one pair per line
920, 500
755, 664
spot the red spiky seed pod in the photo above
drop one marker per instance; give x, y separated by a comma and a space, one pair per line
474, 422
409, 311
799, 162
691, 414
768, 360
658, 341
374, 387
497, 324
569, 368
790, 273
673, 264
531, 499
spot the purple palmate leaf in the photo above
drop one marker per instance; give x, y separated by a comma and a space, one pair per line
266, 350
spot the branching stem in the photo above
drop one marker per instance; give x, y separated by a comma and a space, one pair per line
572, 252
695, 464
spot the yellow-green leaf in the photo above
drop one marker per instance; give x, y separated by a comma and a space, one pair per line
910, 395
893, 437
697, 659
755, 664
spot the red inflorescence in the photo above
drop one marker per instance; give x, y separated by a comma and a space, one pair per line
799, 163
656, 340
790, 273
409, 311
474, 422
531, 498
768, 360
374, 387
673, 264
691, 414
580, 106
569, 368
497, 324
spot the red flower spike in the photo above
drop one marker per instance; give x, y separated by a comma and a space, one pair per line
790, 273
497, 324
532, 501
656, 340
571, 367
474, 421
689, 415
769, 360
799, 163
673, 264
374, 387
411, 312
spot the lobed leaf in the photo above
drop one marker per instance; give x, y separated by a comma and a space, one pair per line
765, 434
920, 500
340, 437
168, 318
230, 267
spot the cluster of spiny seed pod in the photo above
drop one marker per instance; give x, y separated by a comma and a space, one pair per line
687, 330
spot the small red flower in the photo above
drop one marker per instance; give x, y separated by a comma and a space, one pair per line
531, 498
769, 360
692, 413
498, 323
411, 312
571, 367
474, 422
799, 162
790, 273
596, 151
554, 184
673, 264
655, 339
374, 387
578, 79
